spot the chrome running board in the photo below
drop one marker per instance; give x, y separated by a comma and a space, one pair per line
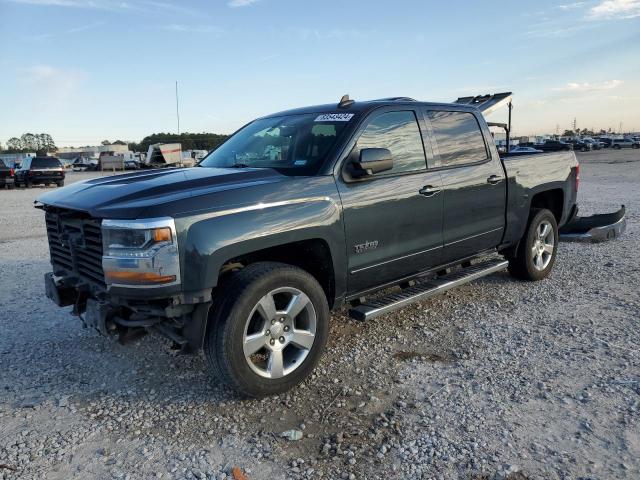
425, 289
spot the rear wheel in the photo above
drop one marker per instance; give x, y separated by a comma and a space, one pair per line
268, 329
60, 184
536, 253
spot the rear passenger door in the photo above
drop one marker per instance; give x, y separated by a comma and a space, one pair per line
473, 180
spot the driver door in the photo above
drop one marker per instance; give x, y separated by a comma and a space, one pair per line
393, 219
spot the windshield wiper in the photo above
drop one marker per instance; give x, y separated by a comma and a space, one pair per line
240, 165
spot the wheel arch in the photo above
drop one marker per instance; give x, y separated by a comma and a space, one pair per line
552, 200
311, 255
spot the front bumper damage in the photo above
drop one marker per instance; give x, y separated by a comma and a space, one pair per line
595, 228
180, 319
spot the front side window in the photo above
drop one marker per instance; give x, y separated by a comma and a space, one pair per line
399, 133
291, 144
458, 137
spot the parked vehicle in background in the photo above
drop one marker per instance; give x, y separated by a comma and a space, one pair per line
579, 145
82, 164
595, 145
131, 165
295, 214
40, 171
619, 143
522, 150
6, 176
606, 141
554, 146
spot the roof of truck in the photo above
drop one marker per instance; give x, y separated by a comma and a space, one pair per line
366, 106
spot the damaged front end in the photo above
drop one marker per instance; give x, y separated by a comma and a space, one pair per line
595, 228
123, 277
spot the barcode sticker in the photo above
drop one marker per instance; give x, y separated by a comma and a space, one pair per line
334, 117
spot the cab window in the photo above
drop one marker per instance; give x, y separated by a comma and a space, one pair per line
458, 137
399, 133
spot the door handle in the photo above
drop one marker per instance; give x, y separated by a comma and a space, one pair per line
494, 179
429, 190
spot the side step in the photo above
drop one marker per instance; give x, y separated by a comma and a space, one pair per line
425, 289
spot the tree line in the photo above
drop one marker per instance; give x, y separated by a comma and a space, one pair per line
41, 143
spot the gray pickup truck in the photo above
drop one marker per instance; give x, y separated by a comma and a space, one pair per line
372, 204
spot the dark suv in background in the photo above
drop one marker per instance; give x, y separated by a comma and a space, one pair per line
579, 145
40, 171
554, 146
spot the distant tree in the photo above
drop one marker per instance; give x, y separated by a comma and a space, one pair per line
119, 142
29, 142
568, 133
14, 145
105, 142
45, 144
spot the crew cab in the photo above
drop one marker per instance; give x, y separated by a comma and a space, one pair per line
299, 213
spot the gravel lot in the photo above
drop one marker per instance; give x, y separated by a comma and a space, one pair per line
497, 379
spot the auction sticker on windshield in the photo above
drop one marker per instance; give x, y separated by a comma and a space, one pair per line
334, 117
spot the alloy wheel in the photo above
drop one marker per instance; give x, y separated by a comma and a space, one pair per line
543, 245
279, 333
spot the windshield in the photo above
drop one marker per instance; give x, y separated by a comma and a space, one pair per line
293, 144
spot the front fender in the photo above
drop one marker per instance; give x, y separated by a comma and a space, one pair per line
310, 210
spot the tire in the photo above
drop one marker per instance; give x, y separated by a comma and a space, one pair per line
249, 308
533, 265
60, 184
617, 147
28, 184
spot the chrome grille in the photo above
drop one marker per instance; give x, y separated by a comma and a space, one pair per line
75, 245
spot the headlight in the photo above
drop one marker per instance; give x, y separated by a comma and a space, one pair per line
140, 253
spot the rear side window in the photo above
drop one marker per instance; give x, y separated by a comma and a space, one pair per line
399, 133
458, 137
45, 163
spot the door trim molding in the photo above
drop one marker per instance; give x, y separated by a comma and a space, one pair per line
473, 236
361, 269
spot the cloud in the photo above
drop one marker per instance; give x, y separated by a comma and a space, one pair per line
53, 86
84, 28
571, 6
615, 9
241, 3
583, 87
131, 5
181, 28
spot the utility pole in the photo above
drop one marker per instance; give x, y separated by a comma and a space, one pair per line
575, 124
177, 109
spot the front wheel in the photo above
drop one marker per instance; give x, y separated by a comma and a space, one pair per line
268, 329
536, 253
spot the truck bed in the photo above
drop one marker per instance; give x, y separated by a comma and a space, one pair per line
528, 175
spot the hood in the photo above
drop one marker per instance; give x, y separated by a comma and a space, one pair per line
156, 192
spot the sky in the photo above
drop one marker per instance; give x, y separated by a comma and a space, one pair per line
89, 70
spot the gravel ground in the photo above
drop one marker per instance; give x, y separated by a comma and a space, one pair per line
497, 379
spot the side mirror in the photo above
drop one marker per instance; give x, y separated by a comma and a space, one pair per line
374, 160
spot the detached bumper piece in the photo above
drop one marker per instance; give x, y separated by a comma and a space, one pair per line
595, 228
